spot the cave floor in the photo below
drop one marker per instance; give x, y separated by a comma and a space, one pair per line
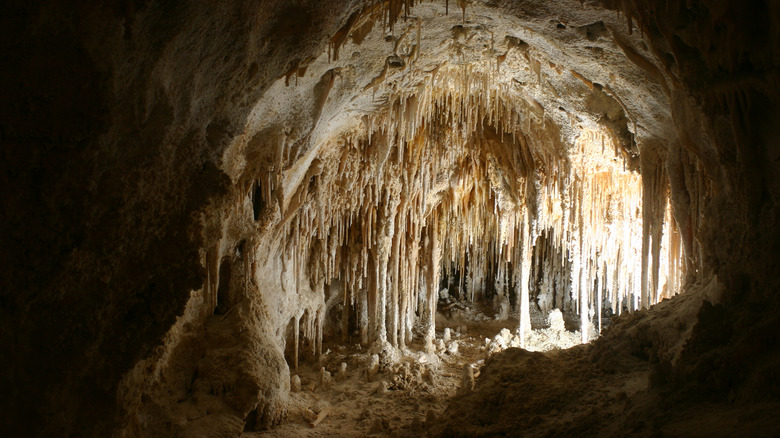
582, 391
399, 399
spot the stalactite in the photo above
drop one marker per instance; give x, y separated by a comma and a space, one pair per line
435, 183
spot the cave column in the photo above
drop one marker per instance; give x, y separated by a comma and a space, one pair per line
319, 322
381, 302
407, 283
600, 280
412, 280
296, 332
643, 300
384, 249
657, 231
373, 266
584, 289
362, 303
653, 212
434, 256
526, 244
381, 324
580, 288
394, 277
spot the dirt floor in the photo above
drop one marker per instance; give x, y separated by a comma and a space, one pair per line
401, 398
674, 370
406, 394
645, 376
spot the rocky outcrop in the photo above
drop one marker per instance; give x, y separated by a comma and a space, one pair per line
114, 119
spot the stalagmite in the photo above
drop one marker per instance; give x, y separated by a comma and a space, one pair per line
295, 383
467, 379
342, 372
325, 377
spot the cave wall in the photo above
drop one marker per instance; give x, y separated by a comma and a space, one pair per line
721, 60
126, 127
114, 117
724, 55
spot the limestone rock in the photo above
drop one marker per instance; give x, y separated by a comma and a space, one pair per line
467, 380
373, 367
452, 347
341, 374
295, 383
325, 378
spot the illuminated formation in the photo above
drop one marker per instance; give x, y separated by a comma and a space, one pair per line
455, 179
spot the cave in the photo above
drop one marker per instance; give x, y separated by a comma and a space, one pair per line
390, 218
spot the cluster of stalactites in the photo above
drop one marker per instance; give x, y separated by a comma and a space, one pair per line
386, 11
446, 177
614, 249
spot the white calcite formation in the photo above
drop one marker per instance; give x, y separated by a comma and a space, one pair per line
478, 143
553, 337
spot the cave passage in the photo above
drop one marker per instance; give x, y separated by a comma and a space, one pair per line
445, 177
451, 189
467, 201
461, 169
390, 218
